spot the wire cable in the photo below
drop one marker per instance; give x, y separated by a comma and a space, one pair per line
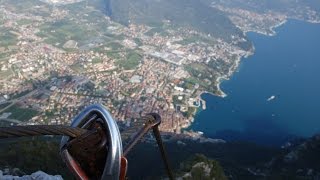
40, 130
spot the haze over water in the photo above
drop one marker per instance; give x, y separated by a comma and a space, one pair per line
275, 92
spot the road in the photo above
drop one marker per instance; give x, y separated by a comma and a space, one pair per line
13, 102
11, 120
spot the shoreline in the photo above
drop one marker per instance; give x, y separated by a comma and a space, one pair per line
249, 53
231, 72
271, 29
220, 93
233, 68
239, 59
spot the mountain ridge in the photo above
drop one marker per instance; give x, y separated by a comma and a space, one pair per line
182, 13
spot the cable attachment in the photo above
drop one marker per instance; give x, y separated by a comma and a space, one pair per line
92, 146
96, 154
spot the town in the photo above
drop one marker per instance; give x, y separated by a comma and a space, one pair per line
55, 61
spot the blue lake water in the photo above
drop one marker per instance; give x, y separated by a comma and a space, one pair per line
286, 66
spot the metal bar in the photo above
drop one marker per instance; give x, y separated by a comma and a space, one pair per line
157, 135
74, 166
134, 141
152, 122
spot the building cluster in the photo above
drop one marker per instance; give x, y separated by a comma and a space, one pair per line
59, 79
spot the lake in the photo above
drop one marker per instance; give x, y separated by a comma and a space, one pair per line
274, 95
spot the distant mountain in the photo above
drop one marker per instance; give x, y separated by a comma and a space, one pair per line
301, 161
308, 10
181, 13
61, 1
200, 167
36, 175
239, 160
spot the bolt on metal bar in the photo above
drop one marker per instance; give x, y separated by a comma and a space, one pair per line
139, 135
157, 135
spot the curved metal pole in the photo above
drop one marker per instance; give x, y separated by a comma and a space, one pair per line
113, 161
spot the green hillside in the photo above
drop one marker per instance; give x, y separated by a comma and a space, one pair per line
181, 13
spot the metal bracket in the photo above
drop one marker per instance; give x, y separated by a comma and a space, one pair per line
86, 119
